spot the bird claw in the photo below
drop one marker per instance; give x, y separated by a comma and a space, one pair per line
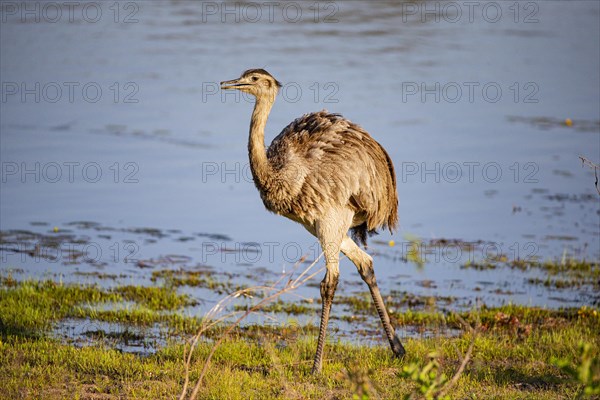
397, 348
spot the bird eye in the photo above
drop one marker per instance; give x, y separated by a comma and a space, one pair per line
254, 78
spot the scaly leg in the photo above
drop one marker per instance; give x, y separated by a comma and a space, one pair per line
364, 263
330, 236
328, 286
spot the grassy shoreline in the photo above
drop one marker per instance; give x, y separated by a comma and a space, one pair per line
518, 352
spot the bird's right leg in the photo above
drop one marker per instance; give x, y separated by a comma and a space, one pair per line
330, 244
364, 263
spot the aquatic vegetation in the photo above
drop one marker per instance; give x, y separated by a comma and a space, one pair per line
203, 278
517, 351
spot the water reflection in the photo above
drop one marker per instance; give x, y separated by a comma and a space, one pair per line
392, 67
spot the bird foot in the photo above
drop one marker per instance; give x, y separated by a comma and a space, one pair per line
397, 348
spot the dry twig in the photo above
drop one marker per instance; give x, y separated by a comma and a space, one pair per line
465, 359
595, 167
212, 318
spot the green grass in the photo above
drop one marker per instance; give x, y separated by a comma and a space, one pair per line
563, 273
501, 367
290, 308
155, 298
203, 278
520, 352
29, 308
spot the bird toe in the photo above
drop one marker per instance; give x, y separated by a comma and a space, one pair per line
397, 348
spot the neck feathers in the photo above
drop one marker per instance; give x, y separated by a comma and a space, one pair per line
262, 172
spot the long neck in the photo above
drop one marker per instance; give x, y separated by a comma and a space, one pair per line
262, 171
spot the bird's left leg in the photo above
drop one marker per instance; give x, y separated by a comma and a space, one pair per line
364, 263
330, 240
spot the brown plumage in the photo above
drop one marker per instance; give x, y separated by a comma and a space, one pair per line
329, 175
340, 164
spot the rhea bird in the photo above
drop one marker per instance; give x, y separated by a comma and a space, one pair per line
332, 177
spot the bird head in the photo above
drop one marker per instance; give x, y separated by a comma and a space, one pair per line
256, 82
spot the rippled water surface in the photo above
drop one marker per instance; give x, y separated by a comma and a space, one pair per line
114, 132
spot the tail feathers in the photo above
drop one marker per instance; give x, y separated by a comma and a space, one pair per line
392, 195
359, 234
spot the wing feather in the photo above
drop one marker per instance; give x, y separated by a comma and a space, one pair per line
323, 161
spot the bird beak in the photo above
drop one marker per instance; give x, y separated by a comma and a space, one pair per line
232, 84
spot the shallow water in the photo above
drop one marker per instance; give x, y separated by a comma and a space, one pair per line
128, 130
